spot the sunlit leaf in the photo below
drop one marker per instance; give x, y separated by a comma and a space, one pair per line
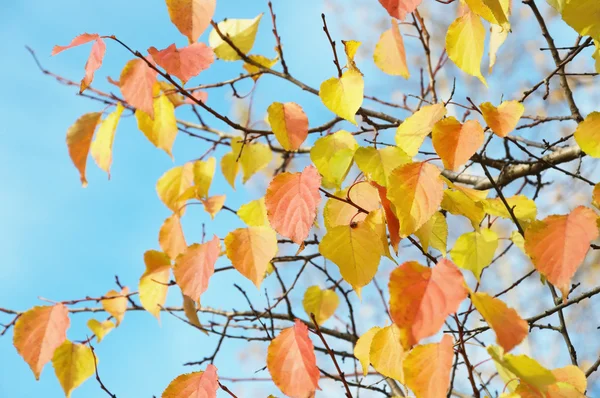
194, 267
412, 131
434, 233
171, 238
362, 348
172, 184
137, 85
115, 303
320, 302
254, 213
251, 250
213, 204
100, 329
399, 8
587, 134
289, 124
427, 368
79, 139
344, 95
332, 155
183, 63
94, 61
456, 142
161, 130
387, 354
191, 17
261, 60
523, 208
474, 251
101, 147
241, 32
503, 119
191, 385
73, 364
390, 55
337, 213
378, 164
465, 44
154, 282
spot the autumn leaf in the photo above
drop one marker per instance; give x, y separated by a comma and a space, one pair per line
115, 303
250, 250
474, 251
421, 298
456, 142
73, 364
191, 17
190, 310
351, 248
427, 368
94, 61
289, 124
261, 60
79, 139
137, 85
100, 329
387, 354
393, 225
184, 63
580, 15
351, 48
558, 244
39, 332
153, 287
523, 208
461, 203
378, 164
292, 363
241, 32
509, 327
213, 204
494, 11
254, 157
194, 385
172, 184
376, 221
254, 213
194, 267
337, 213
230, 167
465, 44
332, 155
171, 238
101, 147
204, 171
498, 36
292, 200
503, 119
399, 8
344, 95
587, 136
416, 191
390, 55
526, 369
412, 132
320, 302
362, 348
434, 233
161, 130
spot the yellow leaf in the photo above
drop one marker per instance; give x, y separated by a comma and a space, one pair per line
251, 250
101, 148
214, 204
350, 48
73, 364
523, 208
459, 203
376, 220
509, 327
172, 94
518, 240
475, 195
254, 158
171, 185
337, 213
378, 164
456, 142
203, 175
390, 55
587, 134
254, 213
351, 248
411, 133
581, 15
162, 130
387, 353
494, 11
596, 196
171, 238
79, 139
465, 44
191, 312
572, 375
289, 124
116, 306
416, 191
528, 370
241, 32
332, 155
230, 167
362, 348
503, 119
343, 96
153, 286
261, 60
434, 233
321, 303
474, 251
100, 329
497, 38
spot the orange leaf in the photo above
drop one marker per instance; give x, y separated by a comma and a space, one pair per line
137, 82
416, 191
153, 287
94, 61
503, 119
558, 244
390, 218
390, 55
213, 205
337, 213
39, 332
509, 327
184, 63
171, 238
421, 298
116, 306
251, 250
289, 124
399, 8
79, 139
195, 266
194, 385
456, 142
191, 17
427, 368
292, 363
291, 201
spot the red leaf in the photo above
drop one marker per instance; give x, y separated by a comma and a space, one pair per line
137, 81
391, 220
185, 63
39, 332
421, 298
399, 8
292, 363
194, 385
292, 200
94, 61
195, 266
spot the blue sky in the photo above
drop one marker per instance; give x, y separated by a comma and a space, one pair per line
62, 242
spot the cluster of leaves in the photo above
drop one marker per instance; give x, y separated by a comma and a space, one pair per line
397, 196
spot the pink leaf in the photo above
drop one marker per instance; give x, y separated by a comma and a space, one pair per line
79, 40
94, 61
292, 200
399, 8
137, 80
195, 266
201, 96
186, 62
